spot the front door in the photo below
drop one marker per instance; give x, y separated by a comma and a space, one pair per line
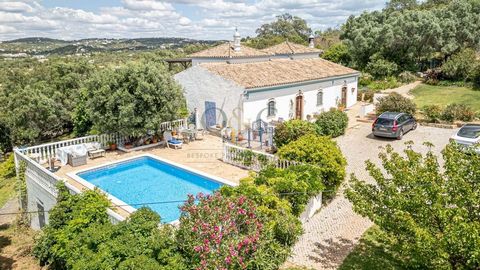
299, 107
210, 113
344, 96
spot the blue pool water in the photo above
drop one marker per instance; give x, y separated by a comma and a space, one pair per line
145, 180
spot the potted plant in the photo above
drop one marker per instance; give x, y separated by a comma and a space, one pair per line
128, 144
154, 139
112, 145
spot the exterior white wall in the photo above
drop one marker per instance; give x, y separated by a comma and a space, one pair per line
255, 106
200, 85
38, 195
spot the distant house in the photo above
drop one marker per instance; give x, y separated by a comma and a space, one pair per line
233, 85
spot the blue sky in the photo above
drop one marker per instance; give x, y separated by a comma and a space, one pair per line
198, 19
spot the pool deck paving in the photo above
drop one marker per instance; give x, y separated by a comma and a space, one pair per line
203, 155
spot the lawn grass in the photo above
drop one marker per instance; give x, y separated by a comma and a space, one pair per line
373, 252
443, 95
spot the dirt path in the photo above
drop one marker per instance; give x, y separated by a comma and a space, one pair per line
404, 90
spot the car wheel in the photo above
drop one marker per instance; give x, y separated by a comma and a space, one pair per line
414, 126
400, 135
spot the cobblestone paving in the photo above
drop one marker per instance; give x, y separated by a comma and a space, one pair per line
333, 232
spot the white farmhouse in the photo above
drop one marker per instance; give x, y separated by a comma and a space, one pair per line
234, 85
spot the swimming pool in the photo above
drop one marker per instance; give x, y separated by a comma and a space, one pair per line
149, 179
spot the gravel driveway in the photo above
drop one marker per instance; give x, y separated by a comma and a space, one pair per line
332, 233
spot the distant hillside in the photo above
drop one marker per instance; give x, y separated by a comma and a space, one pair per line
33, 46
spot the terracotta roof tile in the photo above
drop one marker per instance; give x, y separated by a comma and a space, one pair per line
290, 48
226, 50
277, 72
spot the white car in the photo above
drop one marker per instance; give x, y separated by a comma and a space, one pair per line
468, 136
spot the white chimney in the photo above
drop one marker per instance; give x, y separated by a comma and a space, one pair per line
236, 41
311, 44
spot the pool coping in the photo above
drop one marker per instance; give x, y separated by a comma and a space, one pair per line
125, 206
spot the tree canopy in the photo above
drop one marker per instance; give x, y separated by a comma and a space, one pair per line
133, 99
431, 212
408, 34
285, 27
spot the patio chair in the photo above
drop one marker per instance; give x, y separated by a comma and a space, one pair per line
94, 150
170, 141
195, 133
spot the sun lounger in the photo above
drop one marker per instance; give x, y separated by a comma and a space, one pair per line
170, 141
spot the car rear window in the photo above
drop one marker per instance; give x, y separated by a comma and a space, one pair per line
384, 121
471, 132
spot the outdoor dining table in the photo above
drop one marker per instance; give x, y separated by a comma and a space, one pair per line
190, 133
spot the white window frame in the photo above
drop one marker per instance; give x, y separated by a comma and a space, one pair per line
274, 108
320, 92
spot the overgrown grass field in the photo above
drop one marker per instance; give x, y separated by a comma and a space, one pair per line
444, 95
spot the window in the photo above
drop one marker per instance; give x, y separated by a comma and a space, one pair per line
271, 108
320, 98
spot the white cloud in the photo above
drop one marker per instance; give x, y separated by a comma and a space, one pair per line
78, 15
146, 5
15, 6
200, 19
7, 29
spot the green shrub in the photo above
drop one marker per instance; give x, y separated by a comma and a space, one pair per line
465, 113
80, 236
395, 102
281, 228
460, 65
433, 113
367, 95
7, 168
381, 68
332, 123
407, 77
320, 151
433, 76
338, 53
449, 114
291, 130
365, 79
455, 83
458, 112
387, 83
476, 77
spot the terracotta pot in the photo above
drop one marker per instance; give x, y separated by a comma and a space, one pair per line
128, 146
113, 146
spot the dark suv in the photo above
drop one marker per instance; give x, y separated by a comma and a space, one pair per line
393, 125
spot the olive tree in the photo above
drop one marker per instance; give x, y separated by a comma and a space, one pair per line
133, 99
431, 212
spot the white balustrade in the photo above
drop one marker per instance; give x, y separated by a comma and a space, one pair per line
42, 153
251, 159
